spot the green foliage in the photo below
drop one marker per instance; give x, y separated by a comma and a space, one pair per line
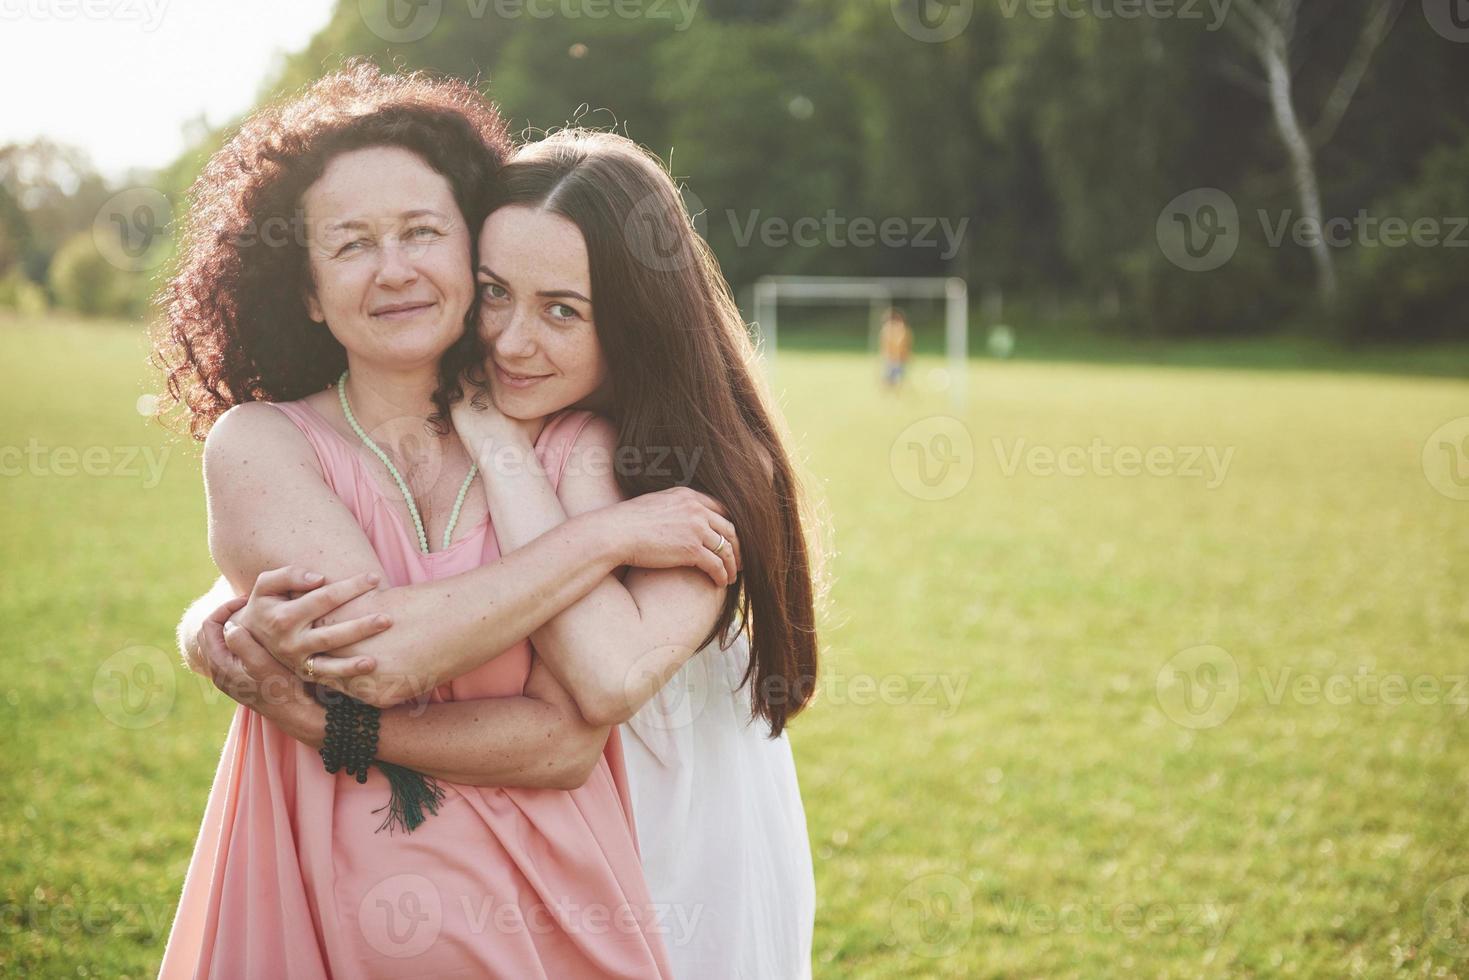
19, 295
597, 73
48, 192
84, 280
1055, 136
779, 144
1419, 287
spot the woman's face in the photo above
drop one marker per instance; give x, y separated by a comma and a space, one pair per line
389, 257
535, 303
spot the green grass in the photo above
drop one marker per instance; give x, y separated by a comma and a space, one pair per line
995, 786
1072, 340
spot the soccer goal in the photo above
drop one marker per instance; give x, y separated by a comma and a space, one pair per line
879, 294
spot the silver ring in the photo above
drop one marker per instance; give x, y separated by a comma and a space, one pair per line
722, 543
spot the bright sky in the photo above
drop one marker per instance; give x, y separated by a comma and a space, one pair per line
119, 78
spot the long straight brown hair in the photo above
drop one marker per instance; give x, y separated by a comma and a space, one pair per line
683, 375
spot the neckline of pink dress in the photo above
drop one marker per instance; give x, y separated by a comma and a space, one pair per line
470, 533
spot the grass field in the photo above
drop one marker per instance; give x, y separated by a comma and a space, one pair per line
1207, 720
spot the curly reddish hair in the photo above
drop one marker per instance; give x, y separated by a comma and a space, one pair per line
235, 326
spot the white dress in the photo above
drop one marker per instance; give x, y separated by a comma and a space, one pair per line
721, 827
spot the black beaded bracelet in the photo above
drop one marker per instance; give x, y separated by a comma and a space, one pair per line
351, 745
351, 734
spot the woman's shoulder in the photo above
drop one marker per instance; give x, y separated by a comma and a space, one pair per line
573, 428
585, 425
572, 435
252, 429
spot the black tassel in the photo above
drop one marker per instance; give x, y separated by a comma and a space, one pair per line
412, 792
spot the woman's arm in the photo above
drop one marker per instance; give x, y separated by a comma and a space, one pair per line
192, 624
538, 740
270, 507
615, 647
272, 601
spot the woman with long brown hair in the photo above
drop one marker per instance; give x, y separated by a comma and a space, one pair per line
595, 291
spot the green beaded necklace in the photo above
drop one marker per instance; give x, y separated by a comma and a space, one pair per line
402, 483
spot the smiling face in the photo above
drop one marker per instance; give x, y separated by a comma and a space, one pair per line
389, 257
535, 303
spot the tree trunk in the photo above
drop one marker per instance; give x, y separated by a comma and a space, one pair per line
1303, 163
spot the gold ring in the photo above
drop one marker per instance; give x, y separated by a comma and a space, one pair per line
310, 667
722, 543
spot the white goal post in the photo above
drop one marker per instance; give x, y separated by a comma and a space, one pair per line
878, 294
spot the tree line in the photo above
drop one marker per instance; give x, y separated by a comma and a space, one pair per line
1168, 167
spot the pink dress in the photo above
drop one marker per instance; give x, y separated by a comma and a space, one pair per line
290, 879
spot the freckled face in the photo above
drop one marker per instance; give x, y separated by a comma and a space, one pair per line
535, 302
389, 257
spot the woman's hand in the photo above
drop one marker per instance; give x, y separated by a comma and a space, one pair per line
284, 625
245, 670
677, 528
483, 430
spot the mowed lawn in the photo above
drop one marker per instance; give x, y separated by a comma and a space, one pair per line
1209, 719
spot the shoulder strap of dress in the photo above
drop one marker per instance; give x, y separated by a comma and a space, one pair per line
327, 444
554, 445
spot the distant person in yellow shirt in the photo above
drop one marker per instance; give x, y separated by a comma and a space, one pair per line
895, 343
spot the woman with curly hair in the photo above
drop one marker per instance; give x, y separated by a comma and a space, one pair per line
325, 275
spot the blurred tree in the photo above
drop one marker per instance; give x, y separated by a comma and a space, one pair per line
1408, 277
766, 135
19, 294
49, 192
1058, 137
600, 73
15, 232
766, 11
1269, 31
932, 146
1113, 110
83, 280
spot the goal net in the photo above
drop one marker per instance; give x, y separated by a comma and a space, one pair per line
878, 294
